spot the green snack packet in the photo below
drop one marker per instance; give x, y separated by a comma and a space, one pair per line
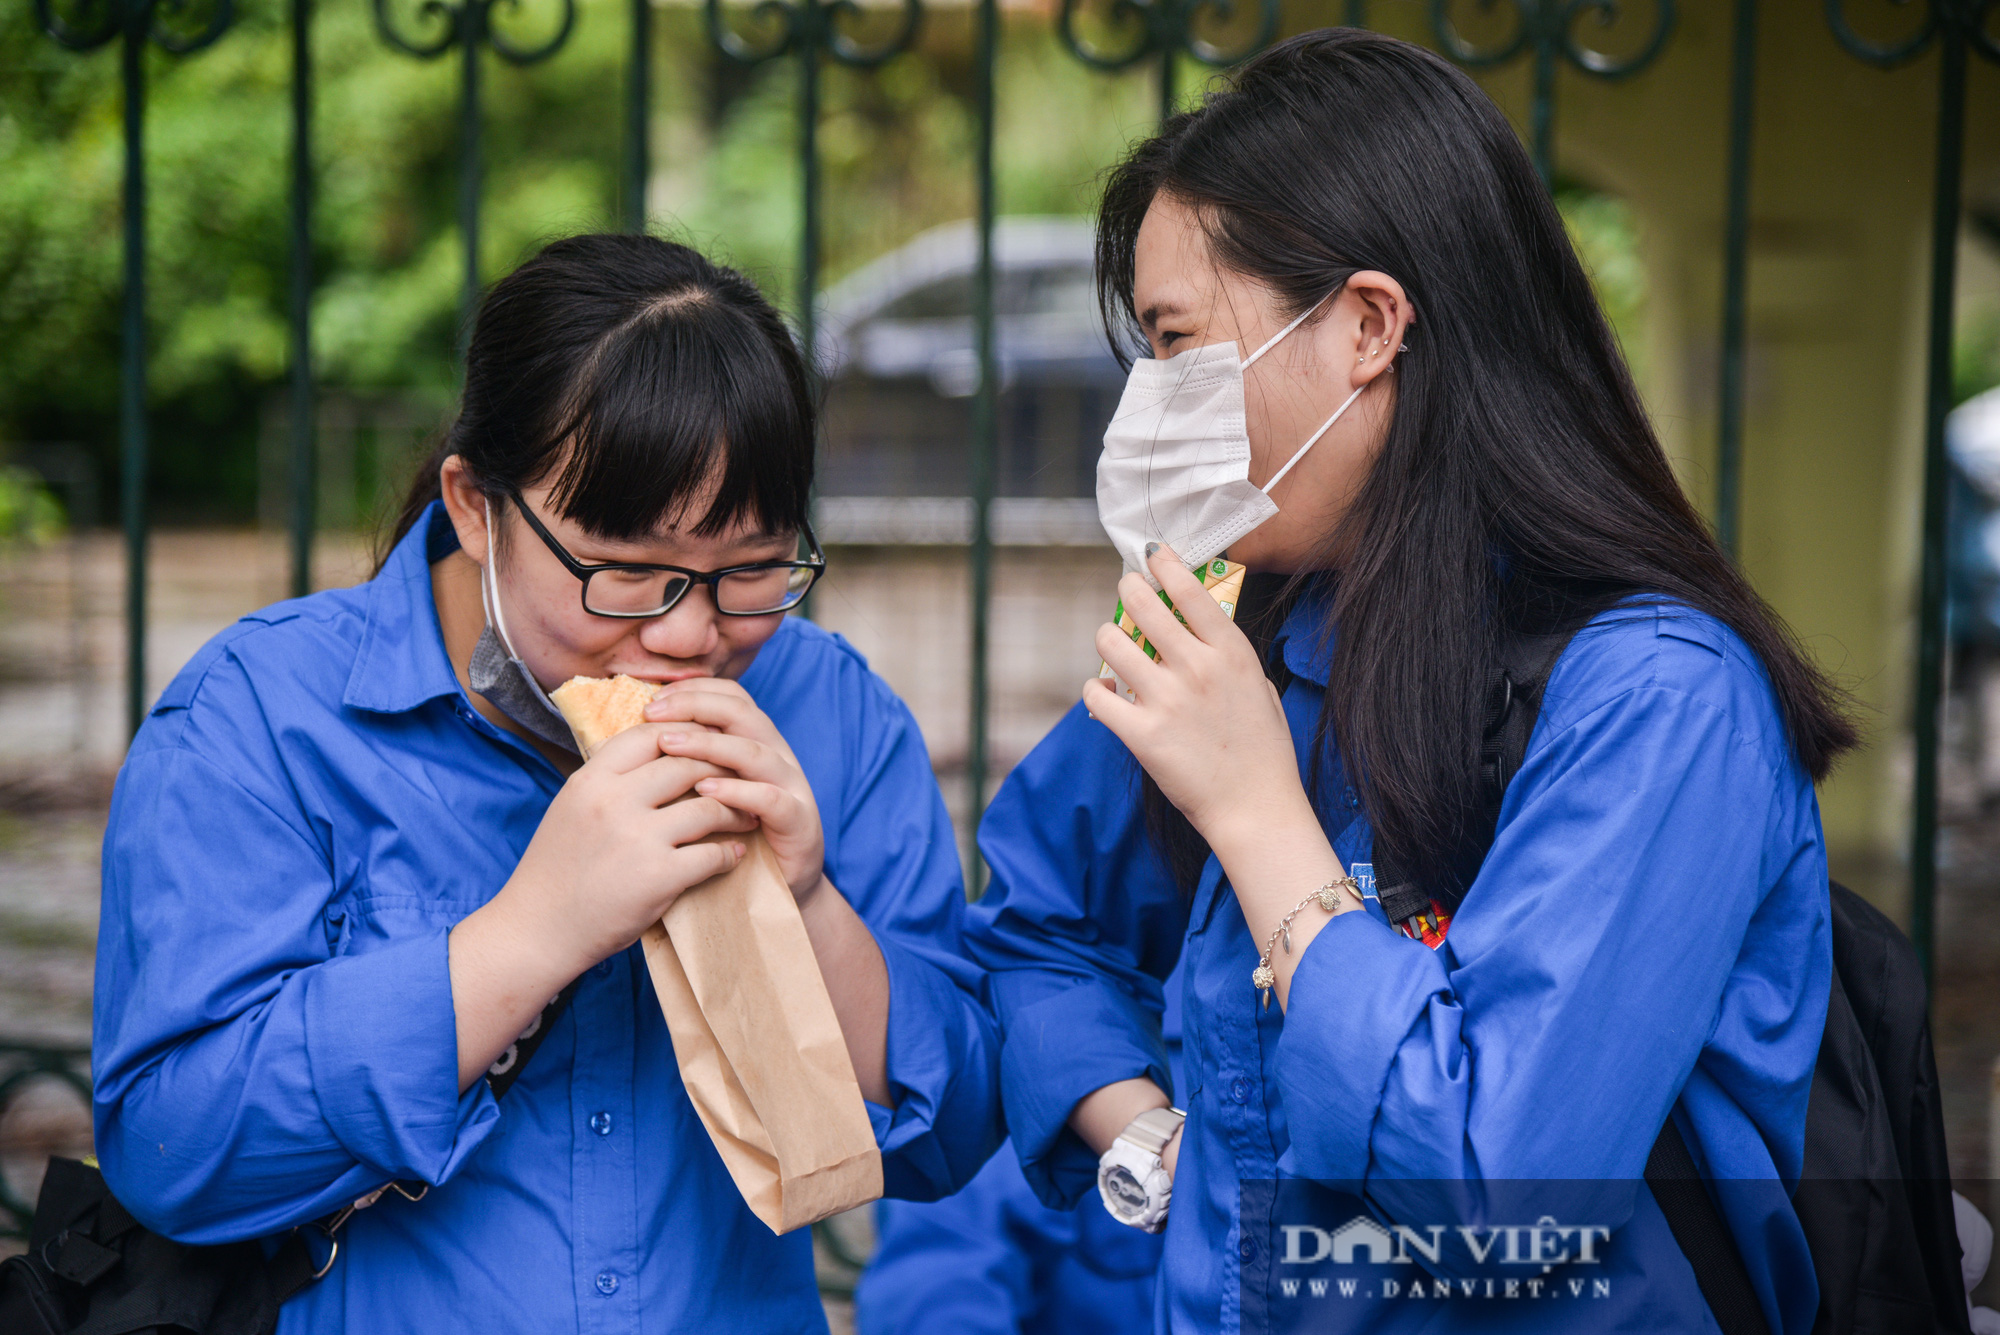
1224, 582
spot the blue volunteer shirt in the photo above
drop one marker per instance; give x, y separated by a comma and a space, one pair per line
994, 1260
1649, 933
310, 807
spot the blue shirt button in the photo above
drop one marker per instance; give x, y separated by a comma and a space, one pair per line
1240, 1089
602, 968
601, 1123
1246, 1249
607, 1283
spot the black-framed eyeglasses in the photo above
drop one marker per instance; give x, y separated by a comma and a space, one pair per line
762, 588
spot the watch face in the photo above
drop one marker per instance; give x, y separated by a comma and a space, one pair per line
1123, 1192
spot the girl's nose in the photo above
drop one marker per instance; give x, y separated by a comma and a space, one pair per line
687, 630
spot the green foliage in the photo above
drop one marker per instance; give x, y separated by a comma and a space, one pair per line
386, 246
896, 144
895, 149
895, 158
1976, 354
28, 512
1606, 237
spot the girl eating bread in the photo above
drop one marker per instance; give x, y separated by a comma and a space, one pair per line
355, 851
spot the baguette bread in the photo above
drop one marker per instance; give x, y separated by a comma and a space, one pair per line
599, 708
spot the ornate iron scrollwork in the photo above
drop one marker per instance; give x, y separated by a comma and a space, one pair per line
1970, 19
96, 22
1547, 29
515, 53
1162, 27
452, 21
448, 16
781, 27
1549, 26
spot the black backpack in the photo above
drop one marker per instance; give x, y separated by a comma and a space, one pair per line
1874, 1196
92, 1269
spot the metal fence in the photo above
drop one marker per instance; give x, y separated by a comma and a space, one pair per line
22, 1069
1106, 35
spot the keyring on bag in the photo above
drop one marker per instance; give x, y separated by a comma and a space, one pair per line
333, 1223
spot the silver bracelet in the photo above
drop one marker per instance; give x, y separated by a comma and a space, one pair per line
1263, 977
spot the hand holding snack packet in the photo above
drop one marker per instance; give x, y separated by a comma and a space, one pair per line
1200, 715
1224, 582
622, 840
744, 761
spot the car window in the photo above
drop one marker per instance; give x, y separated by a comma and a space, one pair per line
943, 299
1048, 290
1067, 290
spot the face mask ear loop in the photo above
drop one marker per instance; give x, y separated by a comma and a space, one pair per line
489, 592
1274, 340
490, 596
1328, 426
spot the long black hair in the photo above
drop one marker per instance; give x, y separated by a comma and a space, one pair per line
1520, 484
637, 375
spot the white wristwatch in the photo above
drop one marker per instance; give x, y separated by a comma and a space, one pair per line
1130, 1177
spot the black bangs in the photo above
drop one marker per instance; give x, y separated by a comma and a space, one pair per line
687, 405
647, 384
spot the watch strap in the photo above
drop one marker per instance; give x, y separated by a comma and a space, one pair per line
1152, 1129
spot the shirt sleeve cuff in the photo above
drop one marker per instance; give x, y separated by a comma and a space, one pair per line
942, 1069
381, 1038
1057, 1050
1360, 988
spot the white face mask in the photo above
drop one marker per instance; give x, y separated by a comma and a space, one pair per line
1176, 461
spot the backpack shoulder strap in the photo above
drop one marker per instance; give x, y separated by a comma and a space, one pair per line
1875, 1125
1514, 688
1513, 703
1703, 1235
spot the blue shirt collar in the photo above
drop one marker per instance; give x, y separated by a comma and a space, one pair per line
402, 662
1308, 643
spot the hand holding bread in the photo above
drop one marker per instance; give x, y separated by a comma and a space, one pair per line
620, 843
722, 725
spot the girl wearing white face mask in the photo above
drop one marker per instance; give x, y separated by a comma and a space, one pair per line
1433, 462
1177, 457
354, 852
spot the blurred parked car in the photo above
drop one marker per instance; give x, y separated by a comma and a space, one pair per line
1972, 607
897, 348
1972, 441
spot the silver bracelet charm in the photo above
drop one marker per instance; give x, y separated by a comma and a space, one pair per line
1263, 977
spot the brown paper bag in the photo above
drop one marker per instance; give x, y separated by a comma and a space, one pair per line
759, 1047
